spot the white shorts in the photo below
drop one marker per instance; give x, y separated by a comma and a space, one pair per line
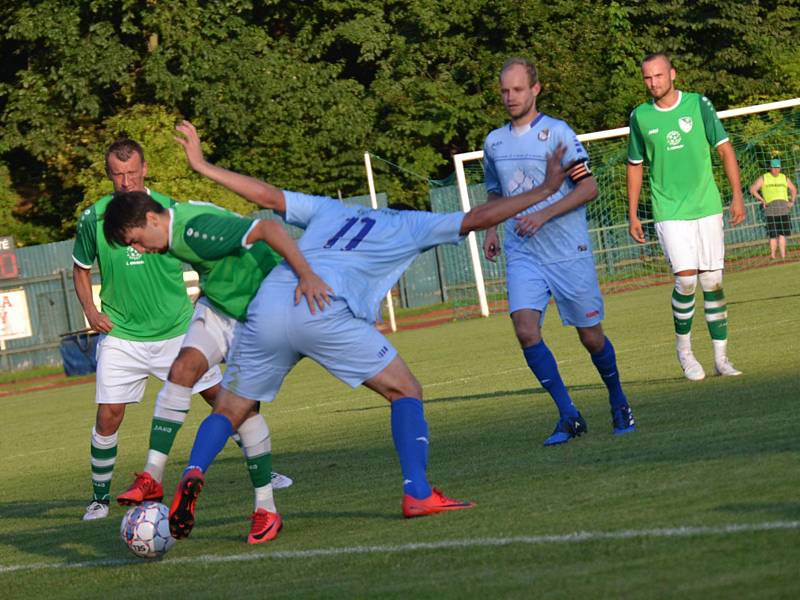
698, 244
210, 331
124, 365
278, 333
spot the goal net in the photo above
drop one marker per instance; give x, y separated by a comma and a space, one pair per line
758, 133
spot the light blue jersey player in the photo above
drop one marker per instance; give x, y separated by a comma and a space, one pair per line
360, 253
548, 250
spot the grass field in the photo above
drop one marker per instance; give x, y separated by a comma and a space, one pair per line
702, 501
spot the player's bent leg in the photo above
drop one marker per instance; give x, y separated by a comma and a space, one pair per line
214, 431
397, 384
716, 313
171, 407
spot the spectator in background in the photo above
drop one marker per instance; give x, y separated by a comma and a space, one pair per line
773, 189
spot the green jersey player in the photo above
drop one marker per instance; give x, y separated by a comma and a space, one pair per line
230, 254
672, 134
145, 312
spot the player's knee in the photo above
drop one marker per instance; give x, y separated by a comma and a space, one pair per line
187, 369
711, 281
109, 418
686, 284
592, 338
526, 329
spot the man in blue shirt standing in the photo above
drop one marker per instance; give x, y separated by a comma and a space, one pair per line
360, 253
548, 250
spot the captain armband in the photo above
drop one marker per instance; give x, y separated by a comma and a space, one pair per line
579, 170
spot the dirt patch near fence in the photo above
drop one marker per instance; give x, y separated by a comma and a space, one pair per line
41, 383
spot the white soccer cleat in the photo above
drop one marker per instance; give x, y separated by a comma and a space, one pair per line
692, 369
725, 368
280, 481
96, 510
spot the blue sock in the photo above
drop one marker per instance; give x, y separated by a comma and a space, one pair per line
410, 434
211, 438
606, 363
543, 364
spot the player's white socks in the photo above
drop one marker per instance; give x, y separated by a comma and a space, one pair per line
720, 350
169, 414
683, 342
257, 448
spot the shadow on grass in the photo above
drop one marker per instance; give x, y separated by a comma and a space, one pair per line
599, 387
789, 510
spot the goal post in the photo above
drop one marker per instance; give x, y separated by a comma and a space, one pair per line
759, 132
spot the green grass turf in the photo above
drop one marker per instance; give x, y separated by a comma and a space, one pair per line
714, 453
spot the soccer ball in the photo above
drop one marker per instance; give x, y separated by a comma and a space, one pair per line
145, 530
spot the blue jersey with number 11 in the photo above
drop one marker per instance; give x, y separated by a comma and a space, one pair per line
361, 252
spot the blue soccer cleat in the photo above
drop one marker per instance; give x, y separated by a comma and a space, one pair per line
566, 429
622, 420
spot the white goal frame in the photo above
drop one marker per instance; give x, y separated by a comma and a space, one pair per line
460, 159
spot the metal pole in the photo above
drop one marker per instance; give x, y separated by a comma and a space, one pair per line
373, 199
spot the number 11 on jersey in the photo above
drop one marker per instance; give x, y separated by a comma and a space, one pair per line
367, 225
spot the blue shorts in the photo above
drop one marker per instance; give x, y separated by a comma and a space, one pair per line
278, 333
572, 284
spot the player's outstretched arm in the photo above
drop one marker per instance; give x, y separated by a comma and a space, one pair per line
634, 181
256, 191
315, 290
490, 214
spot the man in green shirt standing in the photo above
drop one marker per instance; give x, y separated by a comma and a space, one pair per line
772, 189
231, 255
672, 133
145, 313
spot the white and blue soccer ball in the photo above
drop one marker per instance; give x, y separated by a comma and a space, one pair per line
145, 530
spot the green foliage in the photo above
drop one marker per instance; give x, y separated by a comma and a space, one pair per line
12, 219
296, 92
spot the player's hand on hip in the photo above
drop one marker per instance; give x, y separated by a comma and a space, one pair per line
191, 143
636, 231
491, 245
527, 225
555, 174
317, 293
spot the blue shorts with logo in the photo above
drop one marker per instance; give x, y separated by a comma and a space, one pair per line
572, 284
278, 333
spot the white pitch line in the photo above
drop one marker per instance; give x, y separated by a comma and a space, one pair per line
578, 536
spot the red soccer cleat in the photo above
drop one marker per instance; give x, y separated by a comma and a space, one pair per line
265, 526
181, 513
435, 503
143, 488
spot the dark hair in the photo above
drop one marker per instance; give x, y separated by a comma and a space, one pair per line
533, 76
125, 211
656, 55
123, 149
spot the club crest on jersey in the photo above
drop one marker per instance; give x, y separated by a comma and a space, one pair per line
544, 135
134, 258
685, 124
